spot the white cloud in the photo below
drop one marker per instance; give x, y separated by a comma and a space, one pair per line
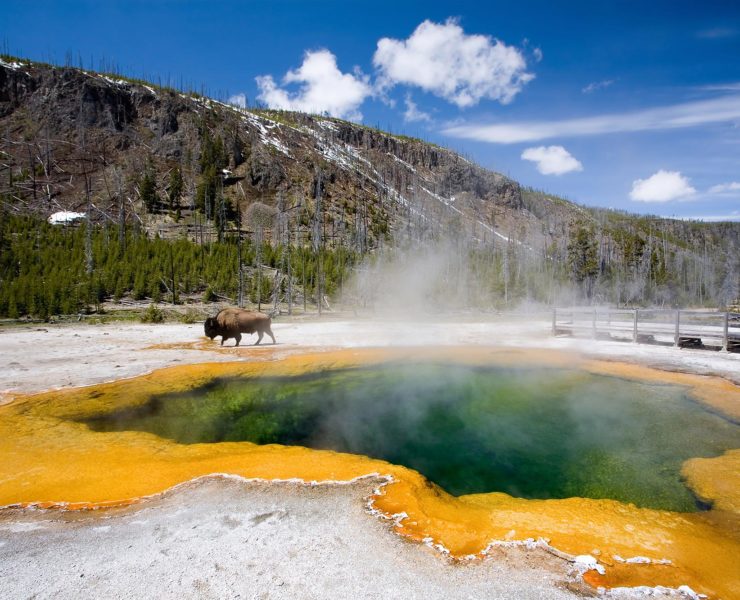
552, 160
597, 85
690, 114
725, 188
238, 100
463, 69
733, 216
537, 53
324, 88
413, 113
733, 86
662, 186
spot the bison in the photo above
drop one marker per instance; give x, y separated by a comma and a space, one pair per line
232, 322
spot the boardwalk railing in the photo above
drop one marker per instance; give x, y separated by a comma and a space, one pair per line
682, 328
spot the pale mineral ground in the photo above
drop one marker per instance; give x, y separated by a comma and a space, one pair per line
222, 538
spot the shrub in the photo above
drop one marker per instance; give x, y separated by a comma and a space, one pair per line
153, 314
190, 316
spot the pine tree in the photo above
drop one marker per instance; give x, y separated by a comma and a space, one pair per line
582, 258
175, 187
148, 188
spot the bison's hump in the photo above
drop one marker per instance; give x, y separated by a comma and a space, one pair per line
244, 321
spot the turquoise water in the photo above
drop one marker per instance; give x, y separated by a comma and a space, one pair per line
532, 433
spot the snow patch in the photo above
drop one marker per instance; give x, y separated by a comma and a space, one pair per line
348, 157
65, 216
113, 81
409, 166
263, 126
330, 125
449, 204
12, 65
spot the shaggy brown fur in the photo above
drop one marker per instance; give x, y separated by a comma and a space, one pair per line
232, 322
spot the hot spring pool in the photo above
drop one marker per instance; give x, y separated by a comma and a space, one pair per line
529, 432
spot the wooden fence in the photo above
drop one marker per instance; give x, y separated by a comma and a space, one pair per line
682, 328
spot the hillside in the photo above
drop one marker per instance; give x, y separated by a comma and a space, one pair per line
134, 156
63, 126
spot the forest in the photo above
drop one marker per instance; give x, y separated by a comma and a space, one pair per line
50, 270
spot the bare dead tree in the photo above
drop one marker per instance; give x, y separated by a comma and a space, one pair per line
240, 266
317, 239
282, 239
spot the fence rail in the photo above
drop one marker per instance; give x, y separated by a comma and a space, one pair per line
682, 328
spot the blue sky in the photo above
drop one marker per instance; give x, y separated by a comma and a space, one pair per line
630, 105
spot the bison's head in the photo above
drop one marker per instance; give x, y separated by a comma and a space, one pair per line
211, 327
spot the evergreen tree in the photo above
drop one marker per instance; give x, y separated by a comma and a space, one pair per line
582, 258
212, 161
148, 188
175, 187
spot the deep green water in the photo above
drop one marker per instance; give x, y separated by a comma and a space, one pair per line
533, 433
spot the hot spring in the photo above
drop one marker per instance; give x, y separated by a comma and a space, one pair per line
529, 432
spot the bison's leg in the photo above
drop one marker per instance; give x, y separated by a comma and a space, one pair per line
259, 337
269, 332
223, 339
238, 338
